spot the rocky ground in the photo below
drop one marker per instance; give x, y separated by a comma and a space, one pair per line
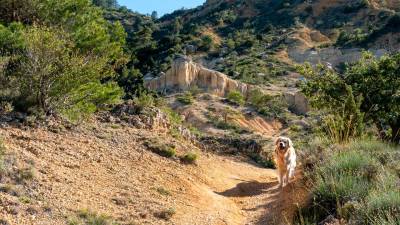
60, 176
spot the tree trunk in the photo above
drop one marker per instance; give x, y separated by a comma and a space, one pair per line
395, 132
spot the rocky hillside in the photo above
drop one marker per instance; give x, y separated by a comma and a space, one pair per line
128, 168
256, 40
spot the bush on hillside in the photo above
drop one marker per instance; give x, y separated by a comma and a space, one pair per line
373, 81
236, 97
258, 99
166, 214
54, 78
345, 123
161, 148
186, 98
88, 217
144, 101
190, 158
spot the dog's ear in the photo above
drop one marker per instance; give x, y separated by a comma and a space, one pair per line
277, 140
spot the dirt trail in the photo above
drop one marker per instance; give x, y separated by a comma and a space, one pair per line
241, 193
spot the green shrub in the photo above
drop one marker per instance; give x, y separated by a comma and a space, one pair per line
174, 118
52, 64
144, 101
166, 214
25, 174
195, 90
347, 122
167, 152
87, 217
186, 98
258, 99
190, 158
193, 130
383, 202
25, 199
348, 96
163, 191
264, 162
161, 148
275, 108
52, 76
236, 97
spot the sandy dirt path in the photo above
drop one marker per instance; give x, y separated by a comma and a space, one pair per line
241, 193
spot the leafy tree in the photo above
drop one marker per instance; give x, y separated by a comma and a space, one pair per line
177, 26
65, 62
53, 77
154, 15
19, 11
376, 80
131, 80
207, 43
77, 17
106, 3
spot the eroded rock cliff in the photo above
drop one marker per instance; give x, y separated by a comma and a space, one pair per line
185, 74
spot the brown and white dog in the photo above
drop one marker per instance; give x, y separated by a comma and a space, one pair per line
285, 160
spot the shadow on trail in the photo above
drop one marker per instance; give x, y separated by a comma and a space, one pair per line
248, 189
282, 204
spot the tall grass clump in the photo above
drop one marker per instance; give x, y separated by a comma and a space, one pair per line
346, 123
358, 183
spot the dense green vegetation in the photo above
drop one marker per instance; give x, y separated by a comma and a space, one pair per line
55, 65
367, 90
358, 183
355, 181
109, 62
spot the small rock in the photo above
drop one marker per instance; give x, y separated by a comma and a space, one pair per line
32, 210
119, 201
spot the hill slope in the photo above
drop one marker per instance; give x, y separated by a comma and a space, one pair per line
56, 176
244, 38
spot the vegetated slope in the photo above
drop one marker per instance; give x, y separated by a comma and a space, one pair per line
54, 176
245, 38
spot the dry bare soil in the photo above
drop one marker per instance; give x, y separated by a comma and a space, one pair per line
105, 168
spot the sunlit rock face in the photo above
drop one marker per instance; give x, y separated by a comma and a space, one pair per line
297, 102
185, 74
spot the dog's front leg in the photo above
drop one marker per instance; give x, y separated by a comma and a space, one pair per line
286, 178
280, 179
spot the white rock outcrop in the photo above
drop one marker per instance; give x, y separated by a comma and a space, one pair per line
297, 102
185, 73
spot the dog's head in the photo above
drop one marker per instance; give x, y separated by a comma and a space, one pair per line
283, 144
